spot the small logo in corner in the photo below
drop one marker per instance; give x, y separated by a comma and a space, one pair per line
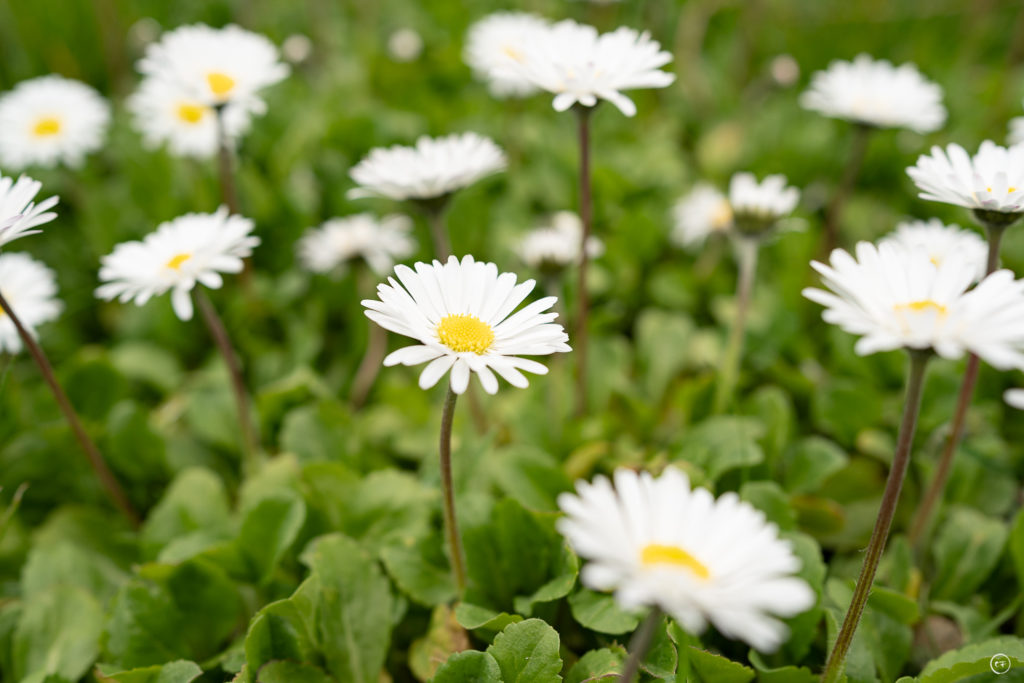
1000, 664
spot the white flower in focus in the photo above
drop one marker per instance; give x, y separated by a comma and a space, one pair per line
215, 66
876, 93
657, 542
941, 242
757, 206
51, 120
700, 213
461, 312
433, 168
557, 245
196, 247
165, 114
580, 66
30, 288
405, 45
18, 213
992, 181
496, 43
1014, 398
380, 242
897, 298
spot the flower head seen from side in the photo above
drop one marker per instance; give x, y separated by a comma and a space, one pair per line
434, 168
51, 120
18, 212
554, 247
941, 242
31, 290
215, 66
659, 542
876, 93
580, 66
379, 242
757, 207
894, 297
991, 183
704, 211
461, 312
194, 248
496, 43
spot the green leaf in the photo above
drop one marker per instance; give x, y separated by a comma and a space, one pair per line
292, 672
809, 462
708, 667
723, 443
528, 474
285, 629
147, 362
443, 638
782, 674
527, 652
662, 658
469, 667
194, 502
420, 570
566, 568
319, 431
268, 531
57, 635
603, 664
62, 562
599, 612
769, 498
966, 550
353, 614
92, 384
475, 617
181, 671
973, 660
1017, 546
662, 340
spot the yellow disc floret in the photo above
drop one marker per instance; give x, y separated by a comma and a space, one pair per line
462, 332
46, 127
655, 554
191, 113
177, 260
220, 83
922, 306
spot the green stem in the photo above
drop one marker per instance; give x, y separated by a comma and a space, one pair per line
451, 526
880, 534
746, 255
376, 346
225, 165
833, 212
439, 234
640, 644
586, 218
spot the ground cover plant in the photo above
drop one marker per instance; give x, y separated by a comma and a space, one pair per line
553, 341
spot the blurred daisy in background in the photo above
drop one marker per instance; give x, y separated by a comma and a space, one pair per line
194, 248
30, 288
379, 242
941, 242
461, 312
659, 542
1014, 398
496, 43
876, 93
554, 246
991, 182
1016, 134
757, 206
581, 66
18, 212
894, 298
702, 212
405, 45
51, 120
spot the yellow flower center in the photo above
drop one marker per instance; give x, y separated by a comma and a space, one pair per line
462, 332
512, 53
1011, 190
722, 216
656, 554
47, 126
220, 83
191, 113
922, 306
177, 260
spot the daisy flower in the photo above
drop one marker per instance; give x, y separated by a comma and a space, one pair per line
657, 542
991, 183
757, 206
496, 43
166, 114
876, 93
462, 314
895, 297
581, 66
941, 242
196, 247
555, 246
1014, 398
215, 66
433, 168
51, 120
18, 213
700, 213
30, 288
380, 242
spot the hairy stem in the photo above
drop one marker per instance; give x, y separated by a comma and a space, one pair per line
376, 347
225, 165
451, 526
586, 217
439, 234
746, 255
640, 644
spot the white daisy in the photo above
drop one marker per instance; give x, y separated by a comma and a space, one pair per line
496, 43
51, 120
380, 242
215, 66
657, 542
18, 213
461, 312
166, 114
1014, 398
1016, 134
700, 213
580, 66
876, 93
992, 182
30, 289
942, 242
557, 245
196, 247
757, 206
897, 298
433, 168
